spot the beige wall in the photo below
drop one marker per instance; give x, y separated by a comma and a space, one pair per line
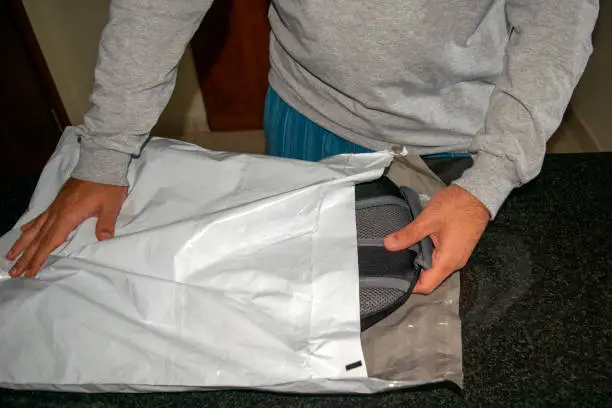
592, 101
69, 31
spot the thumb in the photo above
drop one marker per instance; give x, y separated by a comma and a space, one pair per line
433, 277
409, 235
105, 228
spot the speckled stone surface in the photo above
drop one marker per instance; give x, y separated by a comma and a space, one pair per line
536, 307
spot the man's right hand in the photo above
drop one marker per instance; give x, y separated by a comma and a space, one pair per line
77, 201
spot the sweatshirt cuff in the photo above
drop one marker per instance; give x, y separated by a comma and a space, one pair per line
102, 166
491, 180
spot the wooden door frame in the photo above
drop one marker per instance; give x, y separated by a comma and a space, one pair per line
231, 55
38, 60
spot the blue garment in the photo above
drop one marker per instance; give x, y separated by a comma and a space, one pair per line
291, 135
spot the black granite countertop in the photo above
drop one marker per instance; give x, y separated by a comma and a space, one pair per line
536, 307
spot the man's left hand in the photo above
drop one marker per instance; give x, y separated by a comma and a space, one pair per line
455, 220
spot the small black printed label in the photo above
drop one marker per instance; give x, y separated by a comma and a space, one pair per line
354, 365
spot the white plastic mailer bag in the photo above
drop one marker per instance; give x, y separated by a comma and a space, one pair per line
227, 270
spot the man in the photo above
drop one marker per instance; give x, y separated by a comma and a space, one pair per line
487, 77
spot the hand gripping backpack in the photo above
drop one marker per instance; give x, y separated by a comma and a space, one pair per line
386, 278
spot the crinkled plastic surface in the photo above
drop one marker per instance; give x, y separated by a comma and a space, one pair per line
227, 270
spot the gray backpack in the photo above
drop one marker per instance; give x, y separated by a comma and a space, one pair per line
386, 279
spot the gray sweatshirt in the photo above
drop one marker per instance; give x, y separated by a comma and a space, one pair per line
491, 77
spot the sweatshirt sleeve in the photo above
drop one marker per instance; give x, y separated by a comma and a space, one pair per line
135, 75
547, 52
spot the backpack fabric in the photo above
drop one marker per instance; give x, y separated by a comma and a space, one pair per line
386, 278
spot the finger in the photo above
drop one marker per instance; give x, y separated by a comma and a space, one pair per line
105, 227
30, 223
20, 268
433, 277
56, 235
27, 237
409, 235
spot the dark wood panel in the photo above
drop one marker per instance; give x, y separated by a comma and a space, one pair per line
36, 56
232, 61
29, 130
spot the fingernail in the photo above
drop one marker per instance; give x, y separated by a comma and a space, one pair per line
13, 272
8, 255
392, 241
105, 235
392, 238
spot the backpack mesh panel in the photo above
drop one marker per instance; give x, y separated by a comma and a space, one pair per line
373, 300
380, 221
376, 223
